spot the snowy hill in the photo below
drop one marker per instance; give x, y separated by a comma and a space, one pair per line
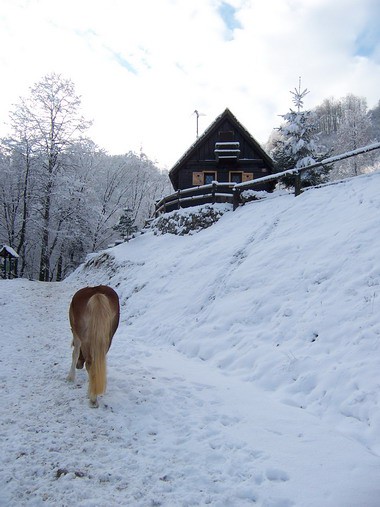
245, 370
283, 293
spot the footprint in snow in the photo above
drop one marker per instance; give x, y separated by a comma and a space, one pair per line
275, 474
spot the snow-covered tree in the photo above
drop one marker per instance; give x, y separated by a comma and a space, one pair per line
51, 116
346, 125
353, 132
374, 115
60, 194
329, 115
297, 144
125, 226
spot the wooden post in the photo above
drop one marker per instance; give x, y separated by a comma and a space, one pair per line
178, 197
7, 267
213, 192
235, 198
297, 183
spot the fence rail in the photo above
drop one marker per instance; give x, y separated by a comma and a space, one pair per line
211, 193
231, 192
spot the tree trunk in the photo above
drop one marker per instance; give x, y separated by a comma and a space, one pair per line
59, 268
44, 260
21, 250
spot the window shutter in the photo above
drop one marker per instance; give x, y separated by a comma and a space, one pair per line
197, 179
247, 176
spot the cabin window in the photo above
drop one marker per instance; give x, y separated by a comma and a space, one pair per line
204, 178
209, 177
236, 177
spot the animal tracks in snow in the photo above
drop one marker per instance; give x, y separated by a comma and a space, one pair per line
186, 424
274, 474
170, 431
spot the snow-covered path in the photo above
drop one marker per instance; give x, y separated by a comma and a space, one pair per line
170, 431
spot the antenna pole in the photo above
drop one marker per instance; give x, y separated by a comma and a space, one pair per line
197, 120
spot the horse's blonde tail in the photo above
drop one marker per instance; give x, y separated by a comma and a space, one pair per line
100, 319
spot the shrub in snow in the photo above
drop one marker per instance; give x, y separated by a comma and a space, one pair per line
189, 220
253, 195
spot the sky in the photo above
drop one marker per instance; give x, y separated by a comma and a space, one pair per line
143, 67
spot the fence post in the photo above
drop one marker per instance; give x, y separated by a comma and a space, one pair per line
213, 192
235, 198
178, 199
297, 183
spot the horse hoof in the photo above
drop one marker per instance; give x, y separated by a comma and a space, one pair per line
79, 364
94, 404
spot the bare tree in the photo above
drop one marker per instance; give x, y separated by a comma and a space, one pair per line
329, 114
51, 115
60, 194
353, 132
17, 188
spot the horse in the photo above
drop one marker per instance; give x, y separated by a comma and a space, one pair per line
94, 318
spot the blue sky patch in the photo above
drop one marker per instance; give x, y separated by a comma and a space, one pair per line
363, 45
93, 38
123, 62
228, 12
368, 40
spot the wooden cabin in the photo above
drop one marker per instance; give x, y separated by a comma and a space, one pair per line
226, 152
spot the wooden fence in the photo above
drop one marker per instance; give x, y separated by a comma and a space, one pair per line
232, 192
211, 193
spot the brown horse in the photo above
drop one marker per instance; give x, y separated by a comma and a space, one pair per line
94, 317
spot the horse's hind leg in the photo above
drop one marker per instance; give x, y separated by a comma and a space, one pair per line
81, 360
92, 397
76, 352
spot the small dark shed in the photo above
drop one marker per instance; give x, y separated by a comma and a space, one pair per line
226, 152
8, 261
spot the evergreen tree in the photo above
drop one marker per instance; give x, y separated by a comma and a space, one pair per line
298, 145
125, 225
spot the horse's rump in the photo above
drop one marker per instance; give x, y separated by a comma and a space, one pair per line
80, 307
94, 317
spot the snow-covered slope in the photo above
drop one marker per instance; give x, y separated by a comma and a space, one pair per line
284, 293
245, 370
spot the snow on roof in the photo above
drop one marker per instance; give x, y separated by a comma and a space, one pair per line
9, 250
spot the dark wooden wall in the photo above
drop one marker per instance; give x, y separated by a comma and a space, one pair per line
225, 147
202, 158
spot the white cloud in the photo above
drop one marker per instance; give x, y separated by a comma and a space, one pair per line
143, 67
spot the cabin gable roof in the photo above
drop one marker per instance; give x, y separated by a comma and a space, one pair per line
222, 122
